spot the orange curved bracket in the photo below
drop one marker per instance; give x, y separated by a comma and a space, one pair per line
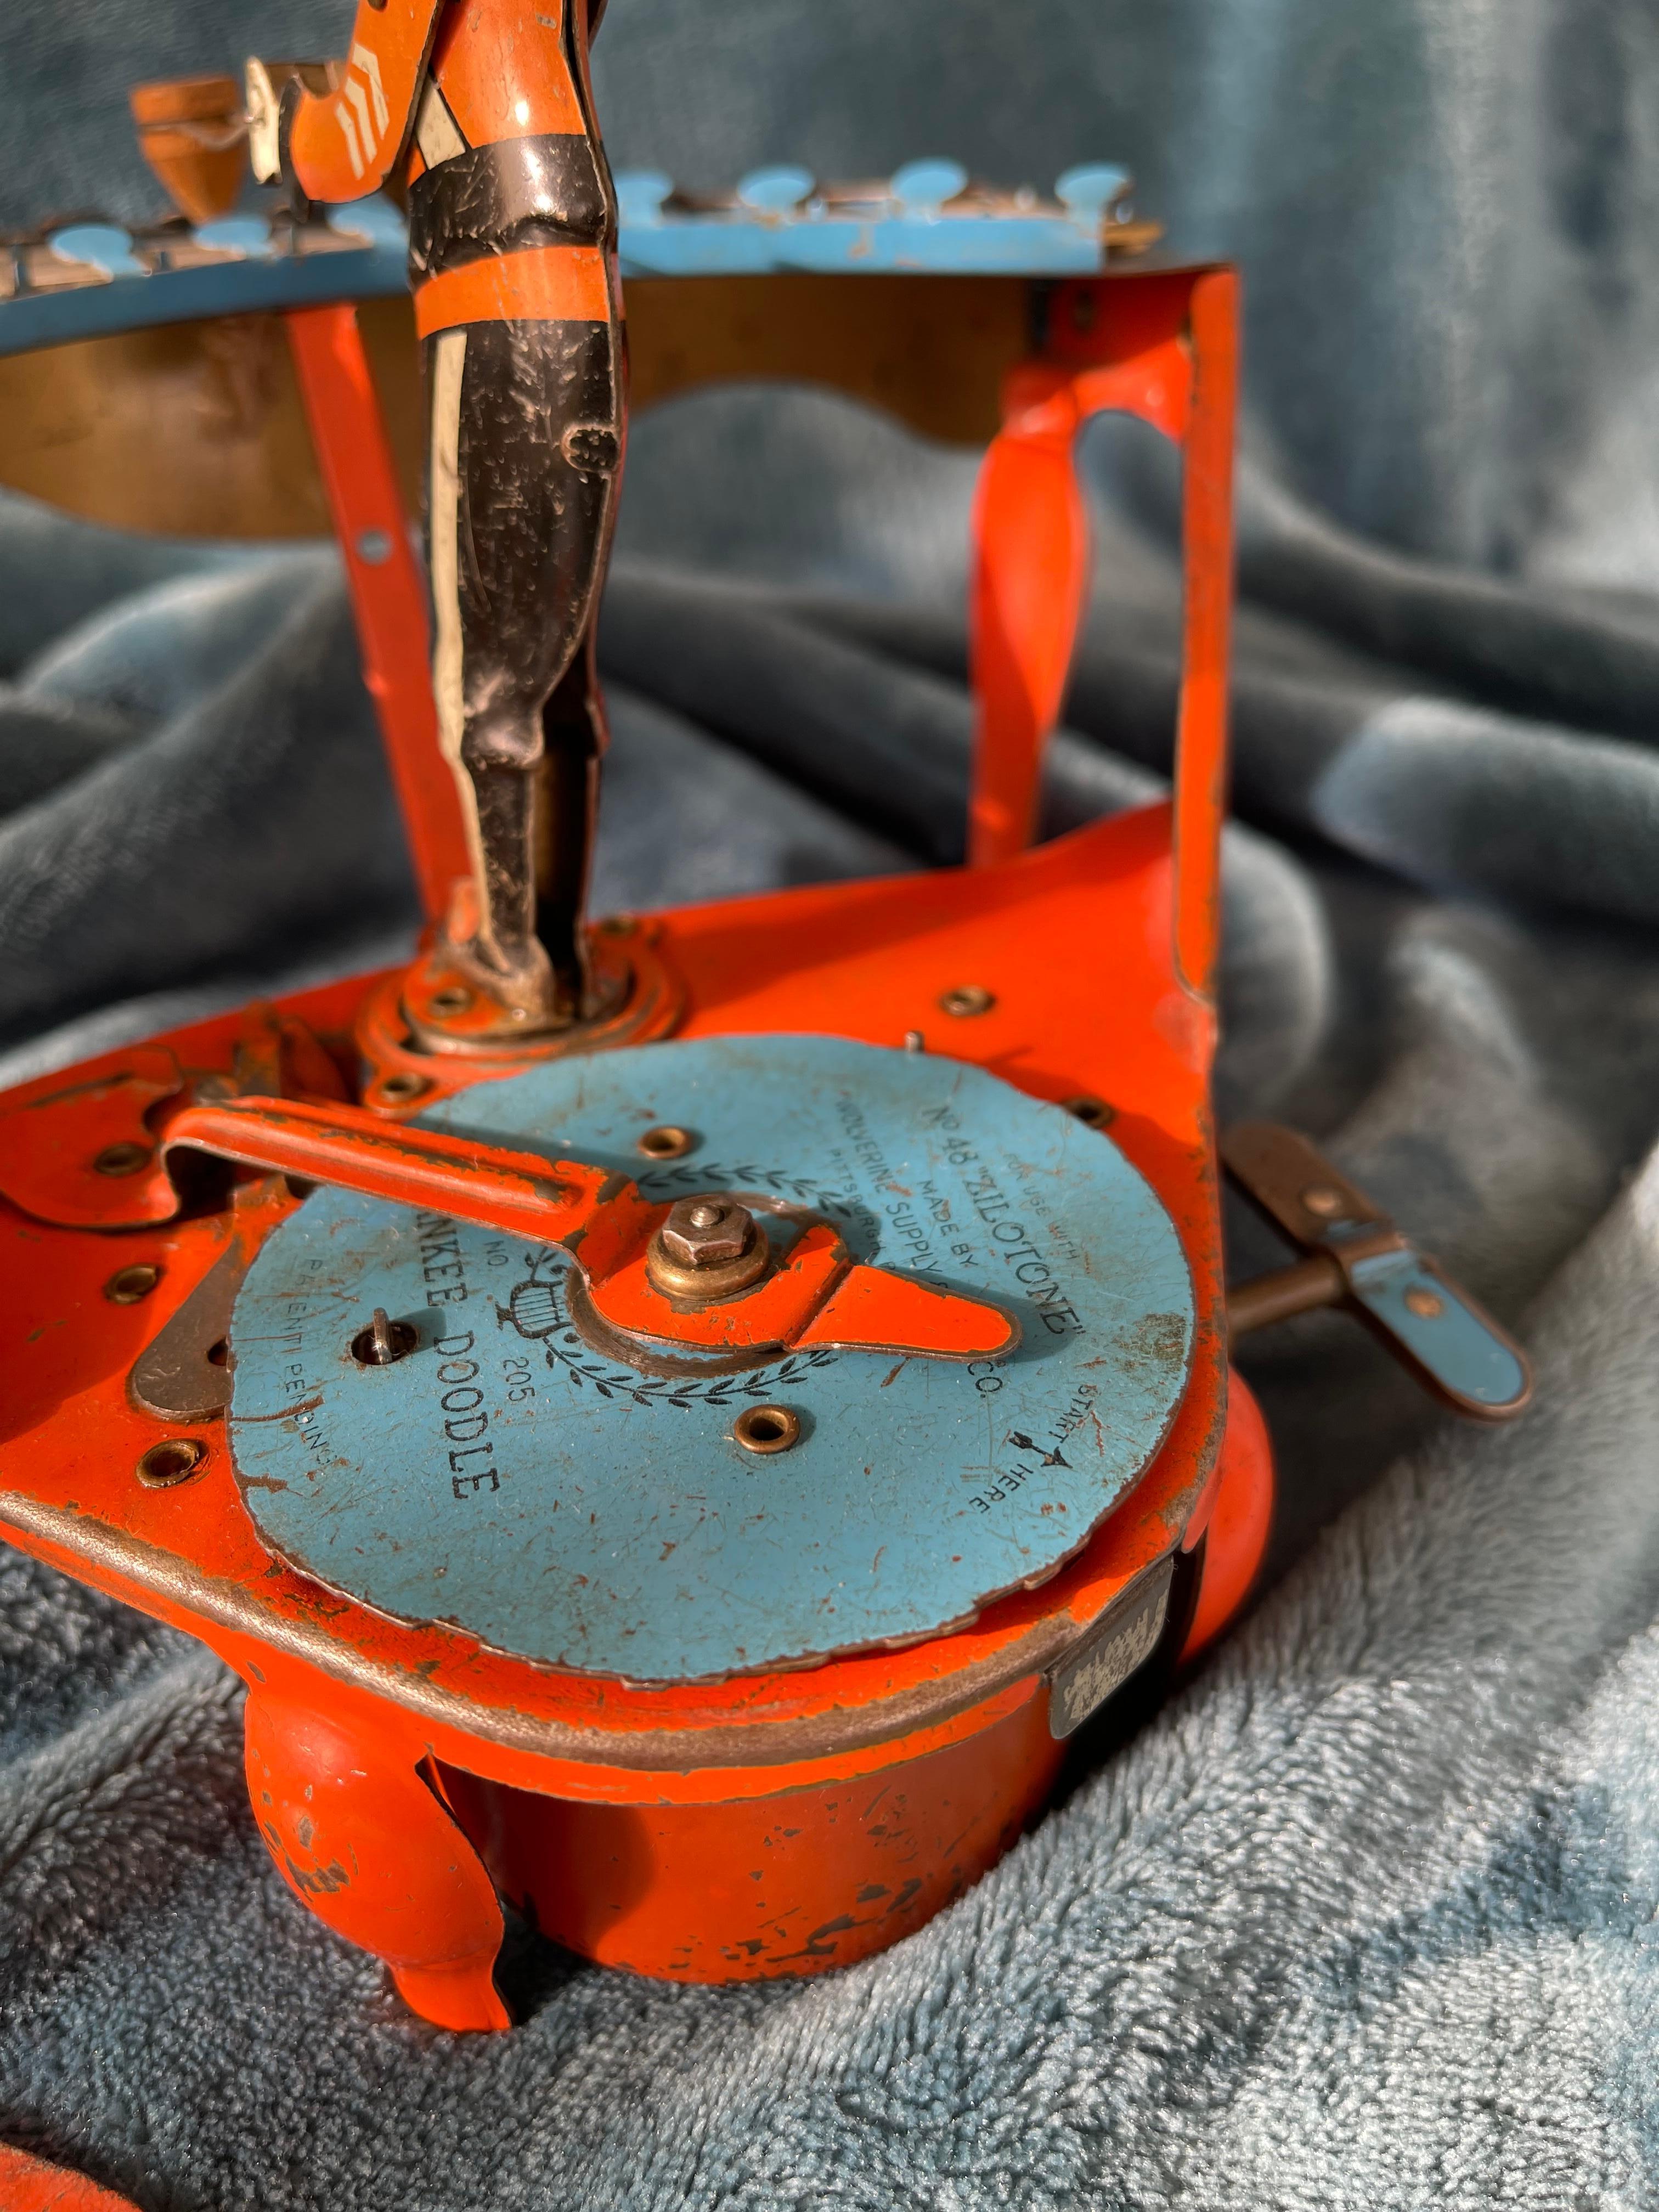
1163, 348
360, 1837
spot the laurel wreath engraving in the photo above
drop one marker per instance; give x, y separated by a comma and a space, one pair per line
840, 1207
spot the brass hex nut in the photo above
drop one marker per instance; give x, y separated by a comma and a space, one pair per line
701, 1232
706, 1250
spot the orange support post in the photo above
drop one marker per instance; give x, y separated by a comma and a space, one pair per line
388, 590
1162, 348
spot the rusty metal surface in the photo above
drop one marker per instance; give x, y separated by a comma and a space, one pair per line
562, 1503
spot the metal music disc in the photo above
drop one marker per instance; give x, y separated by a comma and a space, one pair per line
560, 1502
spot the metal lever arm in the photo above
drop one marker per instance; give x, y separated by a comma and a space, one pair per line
817, 1295
521, 1194
1356, 1257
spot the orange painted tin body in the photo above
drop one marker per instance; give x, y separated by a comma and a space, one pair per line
399, 1772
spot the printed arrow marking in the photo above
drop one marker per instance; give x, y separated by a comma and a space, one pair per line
1023, 1443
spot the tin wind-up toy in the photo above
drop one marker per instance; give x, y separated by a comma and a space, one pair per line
674, 1419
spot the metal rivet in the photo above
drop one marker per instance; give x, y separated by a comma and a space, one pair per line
767, 1428
1321, 1199
384, 1341
914, 1041
968, 999
128, 1284
454, 999
1425, 1303
703, 1215
123, 1159
405, 1086
174, 1460
374, 546
1095, 1112
667, 1143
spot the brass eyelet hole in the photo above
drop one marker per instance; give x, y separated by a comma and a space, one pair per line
767, 1428
398, 1089
173, 1460
1093, 1113
127, 1286
668, 1142
385, 1341
453, 999
126, 1158
967, 1000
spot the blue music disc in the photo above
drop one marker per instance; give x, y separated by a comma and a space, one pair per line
515, 1474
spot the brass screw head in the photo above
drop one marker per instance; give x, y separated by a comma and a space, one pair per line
967, 1000
1423, 1303
700, 1232
127, 1286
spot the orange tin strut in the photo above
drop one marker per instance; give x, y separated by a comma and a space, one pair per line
675, 1423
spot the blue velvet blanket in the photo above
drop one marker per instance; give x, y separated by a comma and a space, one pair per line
1365, 1916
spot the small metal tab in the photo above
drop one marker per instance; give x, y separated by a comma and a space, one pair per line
177, 1378
1102, 1660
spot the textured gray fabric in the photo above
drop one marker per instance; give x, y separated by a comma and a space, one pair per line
1365, 1917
